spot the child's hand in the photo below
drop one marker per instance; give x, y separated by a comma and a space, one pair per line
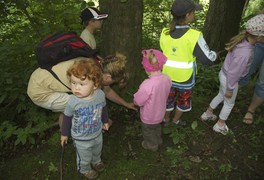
228, 94
132, 106
64, 140
106, 126
110, 122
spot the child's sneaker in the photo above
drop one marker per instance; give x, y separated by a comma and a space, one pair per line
206, 117
223, 130
99, 166
180, 122
92, 174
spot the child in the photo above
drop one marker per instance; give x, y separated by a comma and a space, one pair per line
182, 45
83, 116
151, 98
236, 65
92, 20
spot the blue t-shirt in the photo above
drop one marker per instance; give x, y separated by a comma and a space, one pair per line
86, 115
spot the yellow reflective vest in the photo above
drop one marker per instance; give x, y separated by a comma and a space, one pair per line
181, 62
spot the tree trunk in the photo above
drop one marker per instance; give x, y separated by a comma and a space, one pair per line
122, 32
222, 22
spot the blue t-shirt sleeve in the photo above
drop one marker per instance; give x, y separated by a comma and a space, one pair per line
69, 109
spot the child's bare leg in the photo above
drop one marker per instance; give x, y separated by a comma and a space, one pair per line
167, 116
221, 122
177, 115
255, 102
209, 110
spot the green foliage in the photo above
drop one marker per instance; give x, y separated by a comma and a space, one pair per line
177, 157
176, 134
225, 168
194, 125
256, 139
200, 16
254, 7
24, 134
25, 23
156, 16
207, 81
178, 151
7, 130
52, 168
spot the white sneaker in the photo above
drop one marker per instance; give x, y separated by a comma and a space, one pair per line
223, 130
205, 117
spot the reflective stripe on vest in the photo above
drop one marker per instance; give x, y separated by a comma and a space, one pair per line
180, 64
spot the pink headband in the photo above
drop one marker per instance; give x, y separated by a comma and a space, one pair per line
160, 57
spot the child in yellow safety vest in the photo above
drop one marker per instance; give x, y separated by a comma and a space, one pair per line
182, 45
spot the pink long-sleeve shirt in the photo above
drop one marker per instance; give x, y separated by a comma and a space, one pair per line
151, 97
237, 63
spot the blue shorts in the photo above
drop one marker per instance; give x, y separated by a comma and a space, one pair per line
183, 100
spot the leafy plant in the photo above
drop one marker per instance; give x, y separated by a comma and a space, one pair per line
226, 168
52, 167
24, 134
24, 23
178, 151
7, 130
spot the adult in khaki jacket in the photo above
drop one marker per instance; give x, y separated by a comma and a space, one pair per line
47, 92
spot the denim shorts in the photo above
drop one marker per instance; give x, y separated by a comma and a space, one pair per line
183, 97
259, 89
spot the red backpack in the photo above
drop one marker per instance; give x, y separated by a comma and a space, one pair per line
60, 47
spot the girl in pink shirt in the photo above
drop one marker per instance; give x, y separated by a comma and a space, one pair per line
151, 98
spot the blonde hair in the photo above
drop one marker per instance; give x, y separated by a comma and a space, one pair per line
237, 39
86, 69
152, 59
115, 66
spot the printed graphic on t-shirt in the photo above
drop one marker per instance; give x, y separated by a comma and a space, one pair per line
88, 120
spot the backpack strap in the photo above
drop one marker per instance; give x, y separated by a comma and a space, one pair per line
56, 77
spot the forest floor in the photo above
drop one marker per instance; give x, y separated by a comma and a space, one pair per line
185, 154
